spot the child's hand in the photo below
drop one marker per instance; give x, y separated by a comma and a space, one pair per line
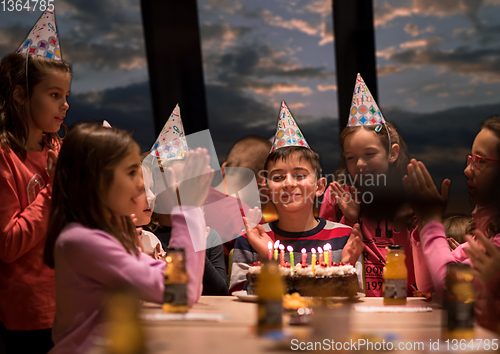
486, 261
51, 163
354, 246
452, 243
158, 252
428, 204
193, 181
253, 217
348, 205
258, 239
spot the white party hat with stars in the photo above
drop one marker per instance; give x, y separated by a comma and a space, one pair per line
364, 109
43, 40
287, 132
171, 143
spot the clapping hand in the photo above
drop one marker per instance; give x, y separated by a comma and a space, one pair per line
484, 255
258, 239
348, 205
354, 246
427, 202
193, 180
452, 243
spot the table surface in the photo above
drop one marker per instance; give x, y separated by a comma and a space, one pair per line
236, 334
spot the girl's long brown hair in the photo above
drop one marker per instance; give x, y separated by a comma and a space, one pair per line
27, 71
84, 174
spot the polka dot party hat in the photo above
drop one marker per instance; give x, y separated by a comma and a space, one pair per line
43, 40
287, 132
364, 109
171, 143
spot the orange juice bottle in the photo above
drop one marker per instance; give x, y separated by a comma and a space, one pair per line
395, 276
123, 332
175, 297
458, 302
270, 290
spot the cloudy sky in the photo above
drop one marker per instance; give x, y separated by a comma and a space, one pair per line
438, 67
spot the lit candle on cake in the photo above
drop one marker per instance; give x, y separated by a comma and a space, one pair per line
282, 255
290, 249
270, 248
304, 257
326, 248
320, 251
330, 257
313, 259
276, 246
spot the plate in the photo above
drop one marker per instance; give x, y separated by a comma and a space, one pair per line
337, 298
243, 296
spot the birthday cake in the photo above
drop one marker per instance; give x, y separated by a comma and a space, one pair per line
338, 279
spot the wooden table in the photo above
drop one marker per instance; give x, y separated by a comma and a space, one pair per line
235, 334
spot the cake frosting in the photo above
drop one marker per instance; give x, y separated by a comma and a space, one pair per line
336, 280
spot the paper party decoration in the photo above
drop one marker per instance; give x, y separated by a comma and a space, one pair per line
287, 131
364, 109
43, 40
171, 143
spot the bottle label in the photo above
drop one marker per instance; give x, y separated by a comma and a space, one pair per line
175, 294
460, 315
270, 313
395, 288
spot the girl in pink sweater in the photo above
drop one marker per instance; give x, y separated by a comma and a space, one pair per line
431, 250
92, 241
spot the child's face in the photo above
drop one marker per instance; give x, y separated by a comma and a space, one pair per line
365, 154
142, 211
485, 177
292, 185
126, 191
48, 103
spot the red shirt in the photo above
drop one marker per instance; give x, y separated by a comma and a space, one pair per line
27, 289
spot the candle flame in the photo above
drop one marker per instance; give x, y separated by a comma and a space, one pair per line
320, 250
303, 250
276, 244
269, 245
282, 246
313, 250
289, 248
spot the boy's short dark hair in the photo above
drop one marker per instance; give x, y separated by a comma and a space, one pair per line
302, 152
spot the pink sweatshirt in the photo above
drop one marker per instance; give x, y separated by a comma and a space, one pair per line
91, 263
27, 289
432, 253
374, 254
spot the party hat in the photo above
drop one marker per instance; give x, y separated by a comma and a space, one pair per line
287, 132
364, 109
43, 40
171, 143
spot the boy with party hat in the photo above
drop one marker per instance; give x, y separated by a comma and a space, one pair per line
293, 177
